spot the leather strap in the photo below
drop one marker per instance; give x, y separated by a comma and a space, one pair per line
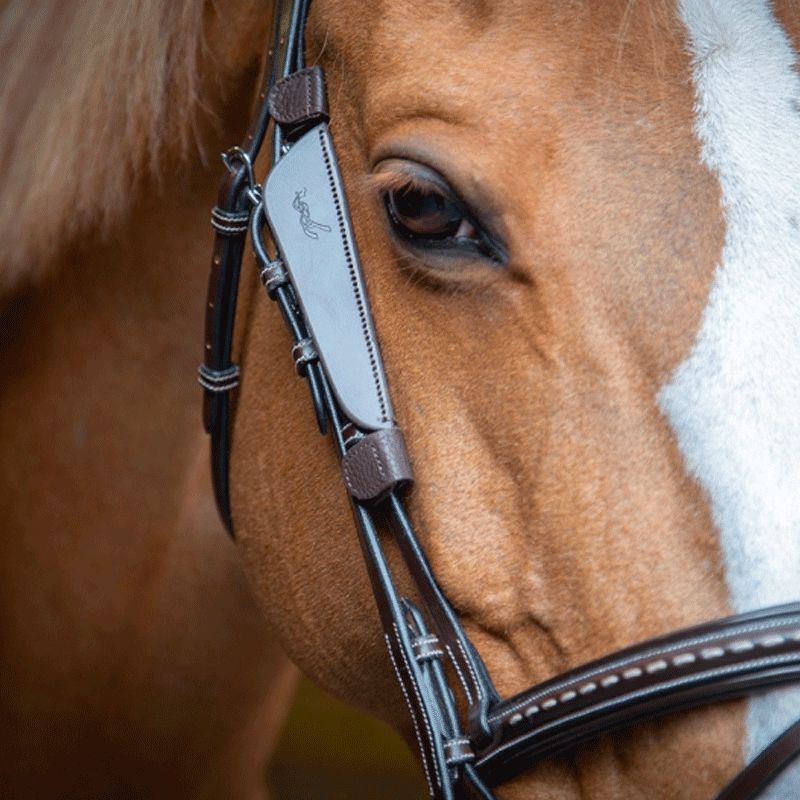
723, 659
765, 768
230, 218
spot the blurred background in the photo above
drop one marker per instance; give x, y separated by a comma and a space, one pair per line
329, 751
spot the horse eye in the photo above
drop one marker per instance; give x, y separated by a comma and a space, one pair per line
424, 213
427, 214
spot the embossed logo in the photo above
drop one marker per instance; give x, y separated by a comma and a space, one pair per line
309, 226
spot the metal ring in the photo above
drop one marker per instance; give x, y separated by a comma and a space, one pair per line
236, 154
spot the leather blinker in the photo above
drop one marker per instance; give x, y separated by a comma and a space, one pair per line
377, 464
299, 101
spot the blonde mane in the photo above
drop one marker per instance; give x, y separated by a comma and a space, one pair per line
94, 95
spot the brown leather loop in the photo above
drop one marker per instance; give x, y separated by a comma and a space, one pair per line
458, 751
377, 464
299, 101
427, 647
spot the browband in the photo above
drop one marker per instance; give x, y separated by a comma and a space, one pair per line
315, 278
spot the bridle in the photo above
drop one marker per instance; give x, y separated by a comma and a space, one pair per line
312, 272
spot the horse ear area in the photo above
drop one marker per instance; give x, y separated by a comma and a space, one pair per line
299, 102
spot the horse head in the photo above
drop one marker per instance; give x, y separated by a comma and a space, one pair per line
578, 226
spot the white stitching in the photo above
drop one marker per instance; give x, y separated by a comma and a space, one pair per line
421, 704
361, 301
633, 672
636, 695
457, 666
683, 659
475, 682
499, 715
413, 717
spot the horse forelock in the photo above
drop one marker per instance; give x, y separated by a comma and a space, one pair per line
95, 96
733, 402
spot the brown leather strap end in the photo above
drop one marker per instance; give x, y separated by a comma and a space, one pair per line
767, 766
299, 101
377, 464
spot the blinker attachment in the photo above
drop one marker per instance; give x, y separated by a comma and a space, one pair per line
307, 212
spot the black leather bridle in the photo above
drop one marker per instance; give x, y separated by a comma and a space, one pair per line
473, 743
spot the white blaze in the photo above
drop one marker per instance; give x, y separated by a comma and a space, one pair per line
734, 403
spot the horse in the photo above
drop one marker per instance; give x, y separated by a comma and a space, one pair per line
579, 229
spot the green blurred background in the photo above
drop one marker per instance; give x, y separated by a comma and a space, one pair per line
329, 751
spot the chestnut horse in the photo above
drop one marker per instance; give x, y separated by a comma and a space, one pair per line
589, 320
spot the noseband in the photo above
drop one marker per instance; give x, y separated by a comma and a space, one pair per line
311, 270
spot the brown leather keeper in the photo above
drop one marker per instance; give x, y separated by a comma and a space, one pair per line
377, 464
299, 101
